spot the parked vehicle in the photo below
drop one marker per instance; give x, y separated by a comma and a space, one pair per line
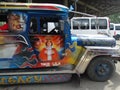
90, 25
112, 29
115, 30
38, 47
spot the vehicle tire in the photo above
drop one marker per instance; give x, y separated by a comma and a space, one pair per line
101, 69
117, 37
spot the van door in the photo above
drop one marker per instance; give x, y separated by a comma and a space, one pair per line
100, 25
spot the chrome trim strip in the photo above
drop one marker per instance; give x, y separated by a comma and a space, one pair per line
38, 72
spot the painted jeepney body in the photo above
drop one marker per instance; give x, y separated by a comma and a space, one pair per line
31, 53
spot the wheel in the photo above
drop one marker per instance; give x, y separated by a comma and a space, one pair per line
101, 69
117, 37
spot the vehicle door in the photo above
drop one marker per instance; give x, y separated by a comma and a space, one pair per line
47, 40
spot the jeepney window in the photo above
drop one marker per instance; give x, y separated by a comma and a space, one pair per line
17, 21
3, 21
33, 25
49, 25
81, 24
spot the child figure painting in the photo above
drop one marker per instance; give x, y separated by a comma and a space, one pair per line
49, 47
48, 53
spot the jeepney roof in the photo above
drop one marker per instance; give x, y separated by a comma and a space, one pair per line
33, 6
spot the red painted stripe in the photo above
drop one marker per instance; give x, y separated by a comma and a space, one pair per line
45, 7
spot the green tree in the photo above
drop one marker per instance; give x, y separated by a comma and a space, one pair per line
115, 18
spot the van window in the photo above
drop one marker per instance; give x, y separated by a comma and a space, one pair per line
98, 24
111, 27
102, 24
81, 24
93, 24
117, 27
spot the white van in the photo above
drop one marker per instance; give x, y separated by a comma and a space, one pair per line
115, 30
90, 25
112, 29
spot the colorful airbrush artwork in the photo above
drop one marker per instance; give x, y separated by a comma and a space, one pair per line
34, 41
39, 55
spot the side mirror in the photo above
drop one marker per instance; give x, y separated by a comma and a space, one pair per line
71, 15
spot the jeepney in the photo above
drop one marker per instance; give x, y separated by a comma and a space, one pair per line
36, 46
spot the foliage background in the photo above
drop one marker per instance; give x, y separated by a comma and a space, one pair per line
115, 18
